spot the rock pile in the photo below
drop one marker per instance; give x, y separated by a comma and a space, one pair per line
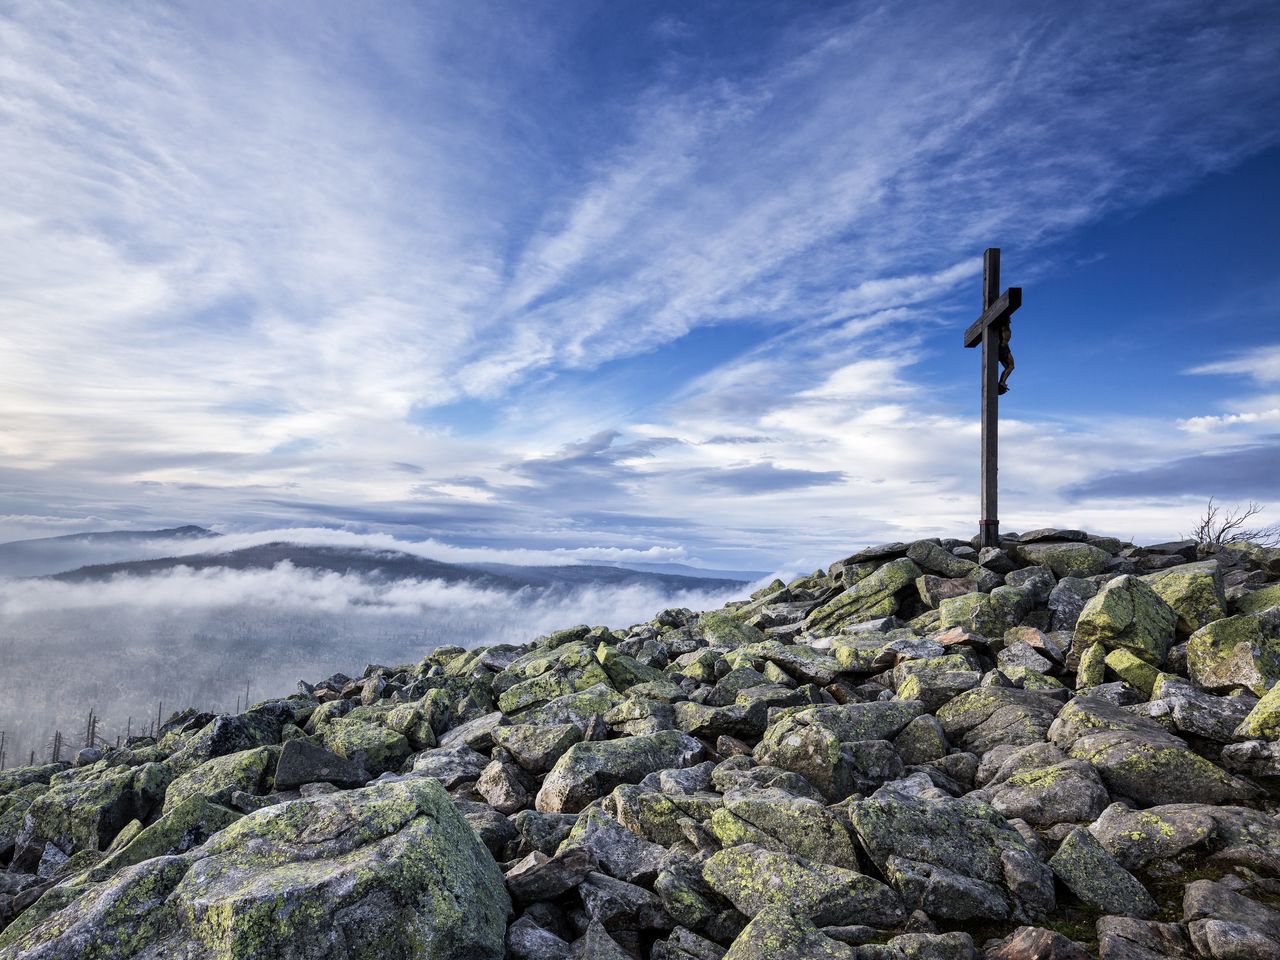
1064, 747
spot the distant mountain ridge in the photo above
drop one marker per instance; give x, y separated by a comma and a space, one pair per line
45, 555
397, 565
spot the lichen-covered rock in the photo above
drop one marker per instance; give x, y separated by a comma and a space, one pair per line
220, 777
1133, 670
87, 813
1126, 613
537, 748
777, 934
590, 770
980, 719
909, 835
1263, 721
187, 824
1191, 710
776, 821
376, 748
869, 598
986, 614
1167, 833
389, 871
1069, 791
1194, 591
615, 849
1235, 652
1072, 559
1158, 768
1259, 600
302, 762
755, 879
1092, 874
1207, 900
450, 765
1067, 601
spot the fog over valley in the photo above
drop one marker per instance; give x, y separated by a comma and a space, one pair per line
194, 616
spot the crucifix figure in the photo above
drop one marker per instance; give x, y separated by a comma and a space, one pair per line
992, 330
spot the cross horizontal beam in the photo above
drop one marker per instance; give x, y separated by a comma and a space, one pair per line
1008, 302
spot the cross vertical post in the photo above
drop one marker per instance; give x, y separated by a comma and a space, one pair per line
992, 332
989, 532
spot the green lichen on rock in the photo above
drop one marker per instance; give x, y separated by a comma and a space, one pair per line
722, 628
986, 614
377, 748
220, 777
1093, 667
1072, 559
1093, 875
1263, 721
776, 934
87, 813
1127, 614
388, 871
785, 824
1234, 652
590, 770
754, 879
1134, 671
1194, 591
187, 824
872, 597
1262, 599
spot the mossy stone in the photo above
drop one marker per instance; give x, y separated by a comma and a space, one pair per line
377, 748
1127, 614
1234, 652
220, 777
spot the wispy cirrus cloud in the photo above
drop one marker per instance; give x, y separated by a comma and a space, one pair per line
261, 263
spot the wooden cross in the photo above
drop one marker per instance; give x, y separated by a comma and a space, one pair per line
996, 312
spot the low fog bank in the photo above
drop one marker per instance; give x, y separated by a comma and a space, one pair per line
194, 637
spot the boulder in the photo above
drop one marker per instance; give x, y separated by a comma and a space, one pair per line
1070, 559
1092, 874
1194, 591
1127, 938
452, 766
986, 614
188, 824
376, 748
388, 871
1235, 652
301, 761
86, 814
591, 769
777, 934
872, 597
1263, 721
954, 858
1127, 614
1139, 839
981, 719
1069, 791
1067, 601
537, 748
1036, 943
755, 879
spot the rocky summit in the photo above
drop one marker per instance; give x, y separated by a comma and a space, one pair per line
1064, 747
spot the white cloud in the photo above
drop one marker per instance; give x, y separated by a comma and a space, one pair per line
1261, 365
253, 270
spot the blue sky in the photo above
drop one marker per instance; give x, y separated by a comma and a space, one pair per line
667, 281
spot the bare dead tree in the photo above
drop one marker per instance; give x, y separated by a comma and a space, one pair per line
1221, 525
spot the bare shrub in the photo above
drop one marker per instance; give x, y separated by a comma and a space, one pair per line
1234, 525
